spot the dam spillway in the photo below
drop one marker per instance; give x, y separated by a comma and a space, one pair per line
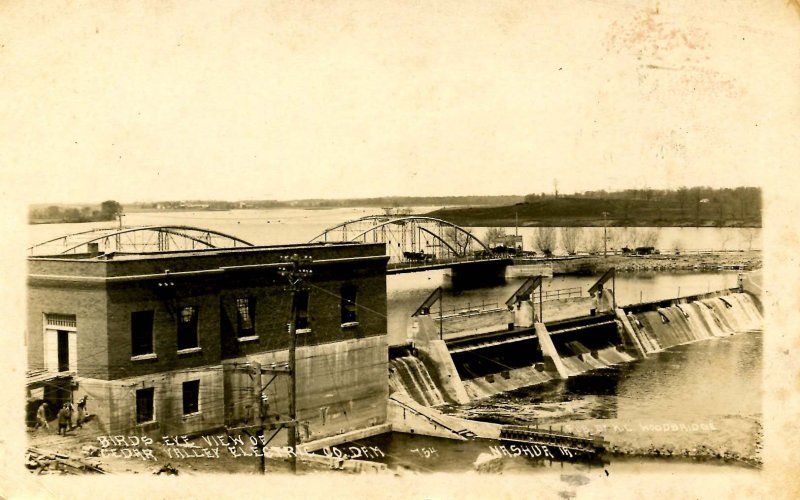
408, 376
483, 364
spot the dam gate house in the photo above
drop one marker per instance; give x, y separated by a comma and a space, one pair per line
179, 342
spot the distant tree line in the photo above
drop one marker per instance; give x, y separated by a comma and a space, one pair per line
188, 204
108, 210
393, 202
407, 201
686, 206
718, 204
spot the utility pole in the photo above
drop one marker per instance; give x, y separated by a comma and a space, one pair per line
441, 321
117, 239
294, 271
605, 235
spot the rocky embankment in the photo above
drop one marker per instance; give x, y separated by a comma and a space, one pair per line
697, 261
707, 261
715, 440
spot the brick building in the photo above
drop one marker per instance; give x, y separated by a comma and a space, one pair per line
173, 342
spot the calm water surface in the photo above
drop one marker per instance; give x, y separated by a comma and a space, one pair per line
295, 225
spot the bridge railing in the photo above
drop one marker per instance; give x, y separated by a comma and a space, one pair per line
469, 308
561, 293
446, 260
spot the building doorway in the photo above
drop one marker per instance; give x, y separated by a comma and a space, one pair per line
60, 343
63, 350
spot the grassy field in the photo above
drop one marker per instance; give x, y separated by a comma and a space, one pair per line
587, 212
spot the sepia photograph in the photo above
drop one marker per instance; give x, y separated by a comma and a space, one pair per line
400, 249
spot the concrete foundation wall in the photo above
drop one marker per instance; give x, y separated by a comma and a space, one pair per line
440, 366
549, 351
474, 323
558, 309
114, 402
422, 329
341, 386
529, 270
523, 314
411, 418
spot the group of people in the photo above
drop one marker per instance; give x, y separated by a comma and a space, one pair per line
64, 416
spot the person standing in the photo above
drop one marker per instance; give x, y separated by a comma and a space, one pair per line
63, 420
70, 416
41, 417
81, 412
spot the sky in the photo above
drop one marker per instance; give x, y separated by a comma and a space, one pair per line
146, 101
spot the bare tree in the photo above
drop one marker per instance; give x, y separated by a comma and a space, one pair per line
749, 234
726, 237
594, 242
648, 237
493, 234
571, 238
633, 237
616, 237
625, 237
457, 239
545, 239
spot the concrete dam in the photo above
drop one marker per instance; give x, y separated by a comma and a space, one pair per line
475, 354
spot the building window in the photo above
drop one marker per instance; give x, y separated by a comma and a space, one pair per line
245, 313
301, 310
187, 328
349, 304
191, 397
141, 333
144, 405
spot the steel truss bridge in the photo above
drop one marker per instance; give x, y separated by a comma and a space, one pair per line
140, 239
413, 243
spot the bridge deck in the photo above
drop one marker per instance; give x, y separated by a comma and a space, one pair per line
413, 267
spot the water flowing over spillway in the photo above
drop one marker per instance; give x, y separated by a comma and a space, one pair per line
409, 376
580, 350
698, 320
598, 359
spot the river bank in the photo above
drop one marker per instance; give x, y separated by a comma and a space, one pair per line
693, 261
580, 211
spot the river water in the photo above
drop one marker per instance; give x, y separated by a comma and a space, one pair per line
711, 387
294, 225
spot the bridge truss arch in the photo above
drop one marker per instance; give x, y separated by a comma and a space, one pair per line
140, 239
413, 238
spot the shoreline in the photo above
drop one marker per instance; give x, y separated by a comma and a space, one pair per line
585, 265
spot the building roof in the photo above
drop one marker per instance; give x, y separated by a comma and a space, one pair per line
157, 265
201, 252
